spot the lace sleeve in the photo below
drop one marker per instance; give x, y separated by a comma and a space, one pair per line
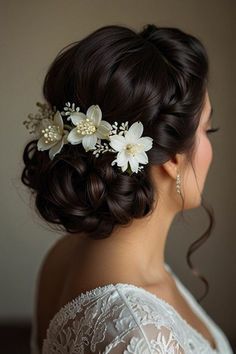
114, 337
114, 322
146, 339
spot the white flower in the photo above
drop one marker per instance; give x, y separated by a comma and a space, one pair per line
89, 127
53, 135
131, 148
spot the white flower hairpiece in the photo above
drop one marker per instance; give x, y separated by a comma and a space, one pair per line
89, 129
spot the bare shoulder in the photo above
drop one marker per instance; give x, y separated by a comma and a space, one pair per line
54, 266
50, 280
59, 249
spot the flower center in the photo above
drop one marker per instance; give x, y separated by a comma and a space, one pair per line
133, 149
51, 133
86, 127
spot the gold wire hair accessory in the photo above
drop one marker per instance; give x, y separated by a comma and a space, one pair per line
89, 130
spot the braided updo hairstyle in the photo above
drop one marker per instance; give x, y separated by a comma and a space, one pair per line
157, 76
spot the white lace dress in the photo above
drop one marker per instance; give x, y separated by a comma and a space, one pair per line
123, 318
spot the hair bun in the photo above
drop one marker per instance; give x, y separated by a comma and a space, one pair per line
84, 196
132, 77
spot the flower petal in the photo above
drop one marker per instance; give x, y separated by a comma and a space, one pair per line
124, 167
55, 149
41, 145
133, 164
103, 129
122, 158
94, 112
45, 122
89, 141
57, 119
74, 137
117, 142
120, 162
77, 117
142, 157
134, 132
146, 141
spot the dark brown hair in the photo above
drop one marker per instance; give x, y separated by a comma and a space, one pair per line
158, 76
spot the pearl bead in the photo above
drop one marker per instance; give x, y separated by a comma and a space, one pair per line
51, 133
86, 127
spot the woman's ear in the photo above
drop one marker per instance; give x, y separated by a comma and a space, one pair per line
174, 166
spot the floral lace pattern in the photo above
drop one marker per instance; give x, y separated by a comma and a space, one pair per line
123, 318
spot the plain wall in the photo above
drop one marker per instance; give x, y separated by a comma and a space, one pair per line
32, 33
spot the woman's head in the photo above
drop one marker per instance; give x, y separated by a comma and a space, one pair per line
157, 76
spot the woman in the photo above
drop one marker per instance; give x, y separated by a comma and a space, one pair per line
125, 149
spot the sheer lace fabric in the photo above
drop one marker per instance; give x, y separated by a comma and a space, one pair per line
123, 318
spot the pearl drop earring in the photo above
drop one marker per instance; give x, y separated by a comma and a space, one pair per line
178, 183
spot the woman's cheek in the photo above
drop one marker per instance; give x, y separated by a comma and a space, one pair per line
204, 157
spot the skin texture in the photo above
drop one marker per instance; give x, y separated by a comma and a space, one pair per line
131, 254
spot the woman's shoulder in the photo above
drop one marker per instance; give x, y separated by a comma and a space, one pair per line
58, 257
60, 248
54, 267
50, 280
125, 308
62, 279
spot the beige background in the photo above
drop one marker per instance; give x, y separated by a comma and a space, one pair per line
32, 33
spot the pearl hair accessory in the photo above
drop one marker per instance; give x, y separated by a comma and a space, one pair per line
89, 129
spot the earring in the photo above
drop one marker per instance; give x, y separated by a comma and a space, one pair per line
178, 183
